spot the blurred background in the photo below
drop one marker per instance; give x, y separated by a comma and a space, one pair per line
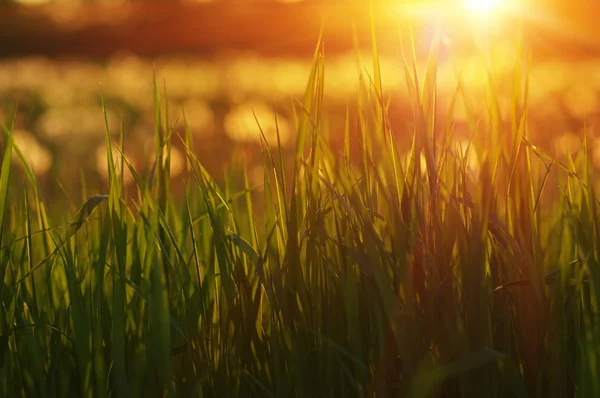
220, 60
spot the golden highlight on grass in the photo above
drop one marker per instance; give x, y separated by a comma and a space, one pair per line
356, 274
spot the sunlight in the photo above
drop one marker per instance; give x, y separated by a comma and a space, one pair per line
482, 6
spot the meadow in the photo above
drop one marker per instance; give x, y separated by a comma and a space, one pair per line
350, 270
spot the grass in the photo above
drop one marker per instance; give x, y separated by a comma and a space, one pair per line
357, 273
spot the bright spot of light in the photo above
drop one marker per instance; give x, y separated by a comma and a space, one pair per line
482, 6
33, 2
36, 155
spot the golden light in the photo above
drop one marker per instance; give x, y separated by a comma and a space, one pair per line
482, 6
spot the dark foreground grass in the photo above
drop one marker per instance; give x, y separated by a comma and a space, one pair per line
358, 274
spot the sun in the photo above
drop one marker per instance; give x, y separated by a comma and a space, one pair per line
482, 6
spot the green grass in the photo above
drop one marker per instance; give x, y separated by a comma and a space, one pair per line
354, 274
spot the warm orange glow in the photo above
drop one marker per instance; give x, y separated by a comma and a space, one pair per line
483, 6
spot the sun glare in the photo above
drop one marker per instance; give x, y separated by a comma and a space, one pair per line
482, 6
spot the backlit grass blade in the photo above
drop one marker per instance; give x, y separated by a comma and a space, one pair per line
4, 190
86, 210
5, 181
159, 320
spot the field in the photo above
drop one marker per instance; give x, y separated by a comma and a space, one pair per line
464, 268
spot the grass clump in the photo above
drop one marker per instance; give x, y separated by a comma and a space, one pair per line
359, 273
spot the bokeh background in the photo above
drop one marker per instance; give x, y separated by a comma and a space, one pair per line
225, 60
